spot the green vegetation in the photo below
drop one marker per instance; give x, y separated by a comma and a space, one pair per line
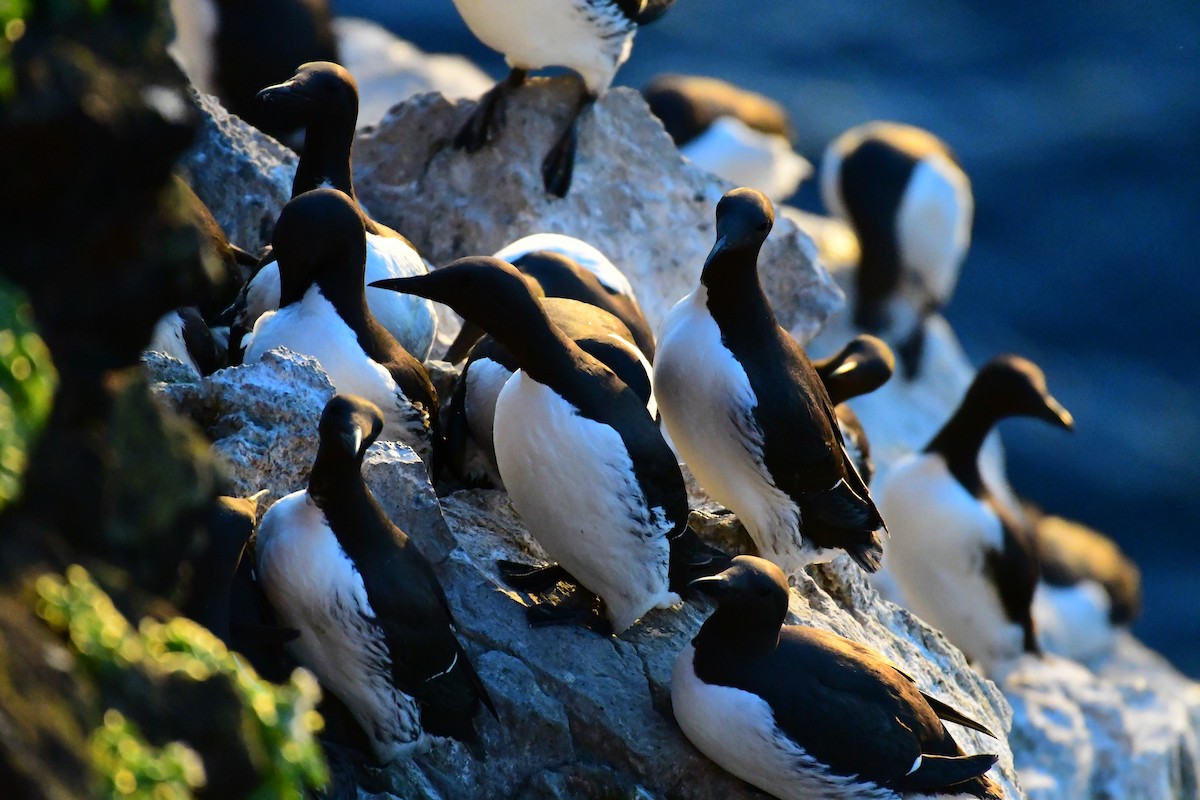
27, 383
279, 722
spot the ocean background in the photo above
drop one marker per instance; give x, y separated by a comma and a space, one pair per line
1079, 125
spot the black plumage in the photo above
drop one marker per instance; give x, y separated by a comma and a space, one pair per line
840, 701
861, 367
688, 104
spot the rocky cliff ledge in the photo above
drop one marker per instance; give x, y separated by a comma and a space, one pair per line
581, 715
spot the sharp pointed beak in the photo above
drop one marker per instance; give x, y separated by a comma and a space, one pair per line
717, 248
411, 285
258, 496
712, 585
353, 439
846, 367
281, 93
1057, 415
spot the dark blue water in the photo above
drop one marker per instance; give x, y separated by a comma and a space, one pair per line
1079, 124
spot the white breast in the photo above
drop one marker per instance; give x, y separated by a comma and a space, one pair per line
313, 327
579, 251
940, 537
572, 482
314, 587
706, 403
411, 319
732, 150
737, 730
591, 37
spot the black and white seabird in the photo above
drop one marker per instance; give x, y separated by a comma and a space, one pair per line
592, 37
1089, 588
964, 560
325, 97
185, 336
472, 407
802, 713
233, 48
909, 202
737, 135
749, 414
563, 266
861, 367
375, 627
320, 245
582, 459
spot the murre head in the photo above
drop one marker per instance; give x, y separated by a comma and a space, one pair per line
861, 367
319, 235
486, 291
349, 425
319, 92
1011, 386
752, 590
744, 219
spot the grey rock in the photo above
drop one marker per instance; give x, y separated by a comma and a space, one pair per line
241, 174
643, 206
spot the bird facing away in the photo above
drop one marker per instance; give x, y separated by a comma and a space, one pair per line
802, 713
964, 560
320, 244
375, 626
737, 135
584, 463
324, 96
906, 196
749, 414
592, 37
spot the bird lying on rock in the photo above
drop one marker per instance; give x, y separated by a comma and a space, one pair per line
375, 626
739, 136
963, 559
583, 461
909, 202
749, 414
592, 37
320, 244
802, 713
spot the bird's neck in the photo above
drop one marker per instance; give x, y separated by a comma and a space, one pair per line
959, 442
731, 636
335, 474
734, 293
541, 349
325, 159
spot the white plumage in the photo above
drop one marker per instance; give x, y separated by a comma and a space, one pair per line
707, 404
940, 537
411, 319
572, 481
314, 588
579, 251
733, 151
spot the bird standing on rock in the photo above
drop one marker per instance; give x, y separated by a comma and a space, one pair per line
963, 559
374, 623
325, 97
909, 202
592, 37
803, 713
749, 414
320, 244
584, 463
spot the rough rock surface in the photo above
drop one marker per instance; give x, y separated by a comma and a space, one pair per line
645, 207
1125, 723
241, 174
580, 714
585, 716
